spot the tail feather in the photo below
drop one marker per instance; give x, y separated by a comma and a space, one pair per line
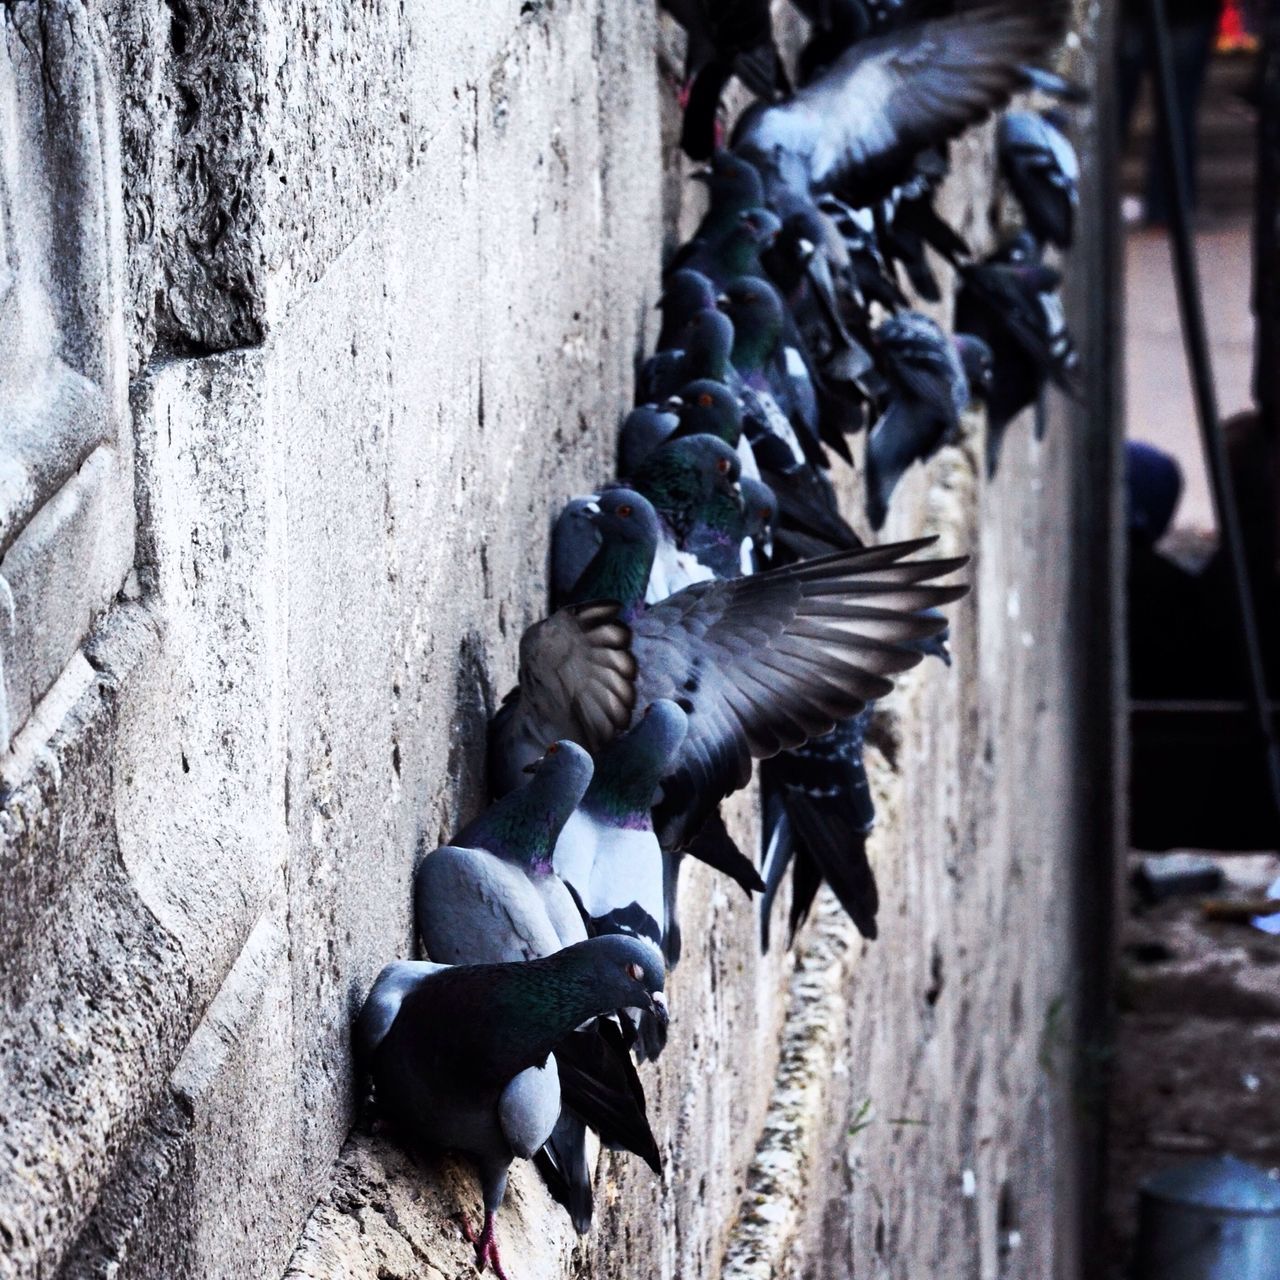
563, 1165
598, 1081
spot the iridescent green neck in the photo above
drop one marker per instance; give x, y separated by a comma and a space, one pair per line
619, 571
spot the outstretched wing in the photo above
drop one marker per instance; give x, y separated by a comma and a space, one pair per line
764, 663
889, 97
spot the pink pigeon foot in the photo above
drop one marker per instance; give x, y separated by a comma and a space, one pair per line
486, 1246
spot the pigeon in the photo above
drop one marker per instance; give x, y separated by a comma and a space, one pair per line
978, 364
1010, 301
493, 897
856, 127
758, 663
693, 485
868, 278
733, 187
825, 800
707, 343
461, 1056
726, 38
908, 223
501, 862
684, 293
1040, 165
928, 393
737, 253
608, 852
643, 430
777, 393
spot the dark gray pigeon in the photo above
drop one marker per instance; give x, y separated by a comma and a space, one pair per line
928, 391
493, 895
461, 1057
1040, 165
643, 430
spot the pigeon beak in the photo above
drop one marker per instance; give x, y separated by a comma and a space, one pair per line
722, 302
807, 248
671, 404
658, 1003
701, 175
591, 510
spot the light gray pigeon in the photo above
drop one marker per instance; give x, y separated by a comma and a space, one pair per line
608, 852
461, 1057
492, 895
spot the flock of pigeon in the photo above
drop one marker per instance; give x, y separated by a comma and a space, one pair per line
713, 607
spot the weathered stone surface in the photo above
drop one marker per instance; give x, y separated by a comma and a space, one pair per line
66, 526
423, 244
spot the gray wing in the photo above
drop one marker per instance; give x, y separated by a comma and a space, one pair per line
529, 1107
577, 681
762, 664
891, 96
383, 1001
473, 908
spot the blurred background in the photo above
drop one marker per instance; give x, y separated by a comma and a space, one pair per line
1195, 1072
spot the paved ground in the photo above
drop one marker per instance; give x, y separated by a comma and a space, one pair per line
1159, 404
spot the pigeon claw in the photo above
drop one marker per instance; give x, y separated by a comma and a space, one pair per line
486, 1245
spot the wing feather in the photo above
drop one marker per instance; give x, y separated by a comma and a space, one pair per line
763, 664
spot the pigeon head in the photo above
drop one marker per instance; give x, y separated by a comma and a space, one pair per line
642, 431
754, 307
978, 363
708, 342
684, 293
524, 825
760, 507
709, 408
732, 183
687, 474
619, 971
624, 516
629, 770
758, 227
1021, 249
629, 530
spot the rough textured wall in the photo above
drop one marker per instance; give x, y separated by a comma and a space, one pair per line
388, 266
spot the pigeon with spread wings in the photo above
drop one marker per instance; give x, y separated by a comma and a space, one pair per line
758, 664
856, 128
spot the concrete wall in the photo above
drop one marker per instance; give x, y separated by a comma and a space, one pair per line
387, 268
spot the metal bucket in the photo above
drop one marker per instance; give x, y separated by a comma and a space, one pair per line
1216, 1219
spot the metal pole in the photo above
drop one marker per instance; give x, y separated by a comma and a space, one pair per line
1197, 346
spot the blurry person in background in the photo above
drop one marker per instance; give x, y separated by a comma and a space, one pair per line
1193, 24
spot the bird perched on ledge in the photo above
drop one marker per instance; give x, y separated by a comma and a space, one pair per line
758, 664
461, 1056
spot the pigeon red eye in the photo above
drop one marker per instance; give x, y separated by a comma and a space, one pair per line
624, 511
723, 466
705, 400
765, 513
635, 972
553, 748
